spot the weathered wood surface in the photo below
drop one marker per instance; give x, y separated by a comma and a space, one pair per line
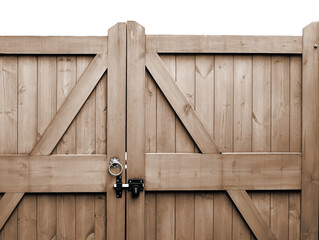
52, 45
116, 126
55, 173
71, 106
224, 44
310, 134
135, 127
180, 103
222, 171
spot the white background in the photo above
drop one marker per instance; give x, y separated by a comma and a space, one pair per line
94, 17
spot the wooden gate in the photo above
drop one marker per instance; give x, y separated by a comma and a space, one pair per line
215, 125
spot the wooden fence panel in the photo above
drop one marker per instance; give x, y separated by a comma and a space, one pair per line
249, 102
34, 87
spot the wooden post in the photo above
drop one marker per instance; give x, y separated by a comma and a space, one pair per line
135, 126
310, 132
116, 99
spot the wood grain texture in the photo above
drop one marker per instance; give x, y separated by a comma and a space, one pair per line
85, 144
8, 105
8, 203
116, 124
27, 136
135, 126
204, 105
8, 139
261, 114
52, 45
27, 217
165, 142
180, 103
100, 217
242, 126
47, 106
223, 171
280, 136
223, 44
66, 80
185, 205
71, 106
55, 173
224, 102
251, 214
310, 134
261, 123
10, 230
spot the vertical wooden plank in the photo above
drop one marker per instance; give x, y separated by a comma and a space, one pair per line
66, 80
261, 119
9, 126
295, 104
262, 202
8, 104
101, 112
222, 216
116, 100
295, 141
27, 217
150, 147
185, 215
100, 145
27, 103
310, 133
224, 138
99, 213
46, 203
65, 216
27, 137
204, 215
280, 104
242, 126
85, 144
294, 215
165, 213
224, 102
10, 229
135, 125
261, 114
185, 74
185, 212
85, 120
46, 216
204, 106
280, 139
150, 215
242, 103
150, 114
279, 215
165, 115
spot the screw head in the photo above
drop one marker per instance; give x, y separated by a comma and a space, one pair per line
315, 45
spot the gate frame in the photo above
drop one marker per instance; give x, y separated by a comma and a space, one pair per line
142, 53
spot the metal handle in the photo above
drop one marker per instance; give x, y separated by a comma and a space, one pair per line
114, 163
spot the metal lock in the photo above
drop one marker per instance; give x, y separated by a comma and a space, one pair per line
134, 185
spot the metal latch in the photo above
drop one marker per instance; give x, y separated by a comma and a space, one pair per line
134, 185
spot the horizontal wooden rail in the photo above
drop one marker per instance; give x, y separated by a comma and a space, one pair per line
55, 173
224, 44
267, 171
52, 45
164, 171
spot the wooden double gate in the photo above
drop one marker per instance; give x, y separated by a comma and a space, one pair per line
224, 130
